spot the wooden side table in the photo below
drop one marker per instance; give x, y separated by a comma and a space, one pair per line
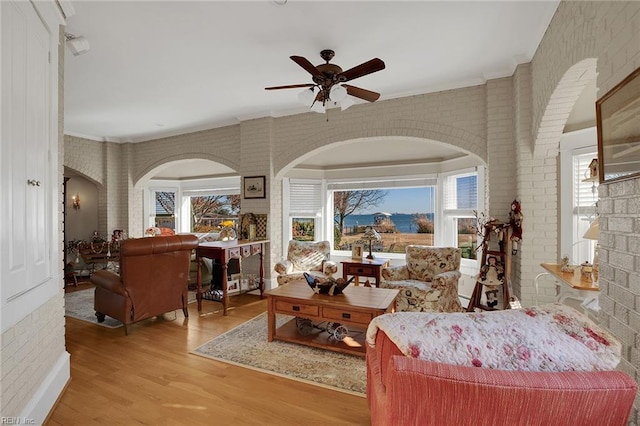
364, 268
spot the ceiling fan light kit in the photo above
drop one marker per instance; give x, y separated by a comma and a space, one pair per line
327, 88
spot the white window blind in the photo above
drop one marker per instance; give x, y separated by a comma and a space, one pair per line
584, 193
211, 191
585, 197
461, 192
381, 184
305, 197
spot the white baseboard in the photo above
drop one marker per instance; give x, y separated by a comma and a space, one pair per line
38, 408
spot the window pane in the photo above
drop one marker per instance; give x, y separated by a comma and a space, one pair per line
303, 228
467, 237
165, 209
400, 216
467, 192
210, 213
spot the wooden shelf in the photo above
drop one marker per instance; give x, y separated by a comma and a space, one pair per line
353, 344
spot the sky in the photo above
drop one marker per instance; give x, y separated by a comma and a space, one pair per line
406, 200
422, 200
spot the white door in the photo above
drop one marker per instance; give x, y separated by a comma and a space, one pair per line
29, 184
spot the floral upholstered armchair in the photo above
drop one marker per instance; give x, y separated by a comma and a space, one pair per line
429, 280
304, 256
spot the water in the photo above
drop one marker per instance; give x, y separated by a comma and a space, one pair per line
403, 222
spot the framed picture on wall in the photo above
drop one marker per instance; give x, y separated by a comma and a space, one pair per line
618, 125
356, 251
254, 187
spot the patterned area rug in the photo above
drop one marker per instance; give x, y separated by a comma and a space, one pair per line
247, 346
79, 305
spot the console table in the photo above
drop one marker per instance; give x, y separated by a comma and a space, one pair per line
223, 251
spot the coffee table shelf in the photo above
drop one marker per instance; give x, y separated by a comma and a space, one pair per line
353, 344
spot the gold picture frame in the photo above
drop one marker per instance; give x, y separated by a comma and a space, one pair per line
618, 127
357, 251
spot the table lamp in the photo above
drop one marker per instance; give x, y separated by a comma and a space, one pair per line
371, 235
592, 234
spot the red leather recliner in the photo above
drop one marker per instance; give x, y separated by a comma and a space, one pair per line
154, 273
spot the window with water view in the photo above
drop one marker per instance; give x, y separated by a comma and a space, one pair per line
401, 216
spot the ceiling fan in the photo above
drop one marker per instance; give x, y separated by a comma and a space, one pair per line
328, 80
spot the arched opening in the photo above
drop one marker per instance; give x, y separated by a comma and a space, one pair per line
396, 185
190, 195
566, 135
82, 196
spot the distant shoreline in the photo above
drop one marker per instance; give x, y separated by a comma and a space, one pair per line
402, 221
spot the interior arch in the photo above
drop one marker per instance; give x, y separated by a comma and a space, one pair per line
380, 156
560, 105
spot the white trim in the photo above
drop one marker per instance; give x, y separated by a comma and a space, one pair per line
571, 143
66, 7
45, 397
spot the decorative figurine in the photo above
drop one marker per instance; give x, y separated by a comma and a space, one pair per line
492, 277
515, 220
331, 286
585, 272
564, 264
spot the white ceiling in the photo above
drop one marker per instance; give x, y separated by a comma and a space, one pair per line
158, 68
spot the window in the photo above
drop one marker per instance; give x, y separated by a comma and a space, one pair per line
402, 211
303, 228
212, 212
430, 210
460, 199
578, 194
585, 197
164, 208
198, 205
305, 209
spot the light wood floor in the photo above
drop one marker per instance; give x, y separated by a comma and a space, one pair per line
150, 378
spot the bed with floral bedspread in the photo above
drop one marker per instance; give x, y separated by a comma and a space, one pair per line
553, 337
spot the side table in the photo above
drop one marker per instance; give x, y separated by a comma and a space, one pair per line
572, 287
364, 268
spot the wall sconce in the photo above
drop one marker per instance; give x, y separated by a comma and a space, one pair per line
76, 201
78, 45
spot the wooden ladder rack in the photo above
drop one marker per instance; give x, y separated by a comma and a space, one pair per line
502, 254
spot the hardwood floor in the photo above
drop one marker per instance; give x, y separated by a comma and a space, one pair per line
150, 378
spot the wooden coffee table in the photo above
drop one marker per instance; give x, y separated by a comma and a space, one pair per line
355, 308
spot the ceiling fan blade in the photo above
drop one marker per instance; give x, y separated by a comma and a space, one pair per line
290, 86
365, 68
308, 66
365, 94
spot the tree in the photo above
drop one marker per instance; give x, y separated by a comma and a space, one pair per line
210, 205
423, 224
349, 202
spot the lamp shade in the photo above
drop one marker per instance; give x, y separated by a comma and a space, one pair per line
371, 234
318, 107
346, 103
338, 93
593, 232
307, 96
78, 45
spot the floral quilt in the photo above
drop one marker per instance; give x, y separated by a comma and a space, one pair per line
553, 337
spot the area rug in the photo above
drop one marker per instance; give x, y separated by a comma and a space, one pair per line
79, 305
247, 346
